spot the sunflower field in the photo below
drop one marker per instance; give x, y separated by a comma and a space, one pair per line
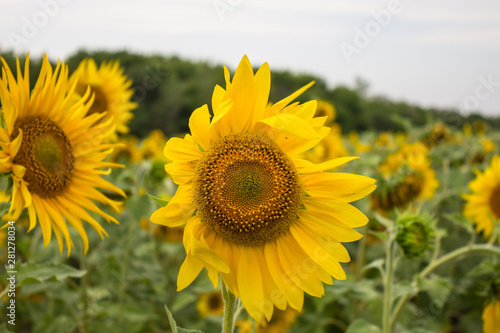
153, 194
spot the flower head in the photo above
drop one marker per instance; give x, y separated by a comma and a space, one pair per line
268, 221
210, 304
483, 204
53, 151
491, 317
110, 89
406, 176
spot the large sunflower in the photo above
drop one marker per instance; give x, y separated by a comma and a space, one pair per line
111, 91
491, 317
406, 176
269, 222
54, 153
483, 204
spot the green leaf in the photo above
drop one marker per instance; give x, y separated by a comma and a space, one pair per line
438, 289
362, 326
377, 263
173, 324
35, 273
159, 201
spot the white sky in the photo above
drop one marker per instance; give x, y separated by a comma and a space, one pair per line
433, 53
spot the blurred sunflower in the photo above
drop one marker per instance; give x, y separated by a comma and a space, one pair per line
153, 145
210, 304
253, 210
282, 321
54, 153
127, 150
491, 317
325, 109
488, 145
439, 133
110, 89
483, 204
330, 147
480, 127
467, 129
359, 147
406, 175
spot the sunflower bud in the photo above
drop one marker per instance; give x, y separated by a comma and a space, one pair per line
414, 234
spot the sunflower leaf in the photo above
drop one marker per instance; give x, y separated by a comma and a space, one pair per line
35, 273
173, 324
159, 201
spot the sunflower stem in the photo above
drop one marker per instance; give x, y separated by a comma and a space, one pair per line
229, 316
389, 269
465, 250
83, 290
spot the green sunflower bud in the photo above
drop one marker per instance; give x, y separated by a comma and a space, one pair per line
414, 234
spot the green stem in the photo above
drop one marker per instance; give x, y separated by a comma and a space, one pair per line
229, 310
469, 249
83, 290
123, 278
358, 273
387, 302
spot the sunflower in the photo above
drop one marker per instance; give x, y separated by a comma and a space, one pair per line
110, 89
406, 176
483, 204
210, 304
326, 109
282, 321
53, 153
269, 222
491, 317
152, 146
127, 151
359, 147
439, 133
330, 147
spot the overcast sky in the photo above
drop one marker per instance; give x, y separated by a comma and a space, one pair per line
434, 53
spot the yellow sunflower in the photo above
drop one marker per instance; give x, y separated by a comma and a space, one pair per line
330, 147
359, 147
54, 153
483, 204
110, 89
127, 151
439, 133
269, 222
152, 146
326, 109
282, 321
407, 176
210, 304
491, 317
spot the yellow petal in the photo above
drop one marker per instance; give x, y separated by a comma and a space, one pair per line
199, 122
190, 269
200, 250
181, 150
328, 165
318, 254
250, 284
291, 124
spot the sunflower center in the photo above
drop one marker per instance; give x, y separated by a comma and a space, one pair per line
247, 190
495, 202
46, 154
215, 301
100, 104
